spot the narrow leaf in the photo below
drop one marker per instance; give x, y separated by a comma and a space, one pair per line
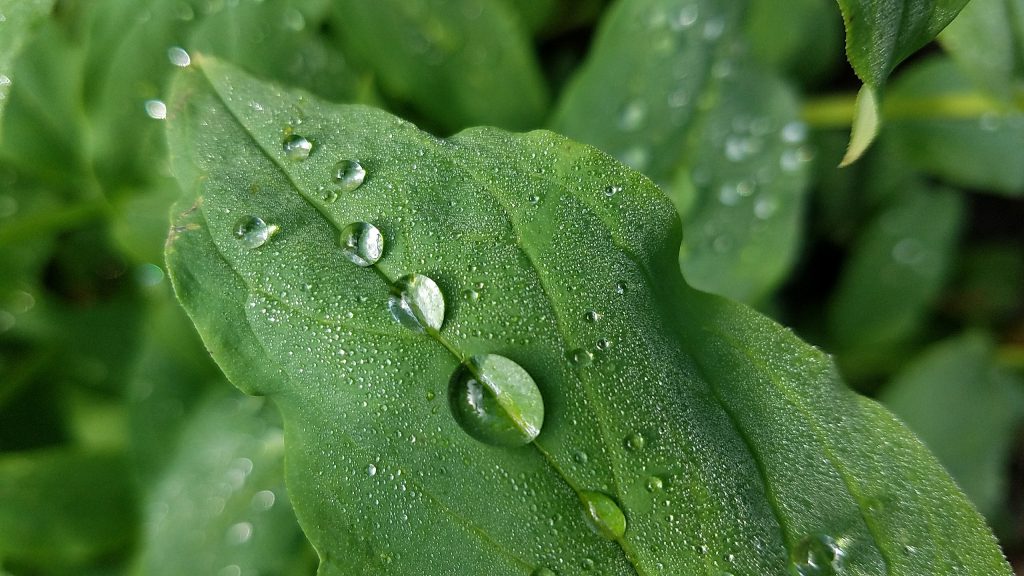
681, 433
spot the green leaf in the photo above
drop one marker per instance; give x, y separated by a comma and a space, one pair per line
441, 58
987, 40
63, 507
974, 143
685, 105
17, 23
897, 268
219, 506
726, 442
804, 40
879, 35
966, 410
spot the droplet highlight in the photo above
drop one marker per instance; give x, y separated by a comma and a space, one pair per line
417, 303
496, 401
253, 232
349, 175
297, 147
603, 515
818, 555
362, 243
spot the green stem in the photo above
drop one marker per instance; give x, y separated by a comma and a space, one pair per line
836, 110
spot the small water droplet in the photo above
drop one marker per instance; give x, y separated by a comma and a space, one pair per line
794, 132
417, 303
593, 316
635, 441
362, 243
156, 109
654, 484
253, 232
587, 564
620, 288
581, 357
612, 190
178, 56
371, 470
765, 207
348, 175
686, 17
604, 344
817, 555
603, 515
580, 457
633, 115
471, 295
297, 147
496, 401
713, 29
330, 196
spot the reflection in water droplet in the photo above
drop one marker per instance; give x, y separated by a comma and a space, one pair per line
417, 303
178, 56
612, 190
635, 441
603, 515
156, 109
253, 232
362, 243
297, 147
654, 484
349, 175
817, 555
496, 401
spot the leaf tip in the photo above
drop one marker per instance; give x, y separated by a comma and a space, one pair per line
867, 120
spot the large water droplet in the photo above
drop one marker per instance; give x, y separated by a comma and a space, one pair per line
496, 401
581, 357
349, 175
297, 147
635, 441
817, 555
253, 232
603, 515
417, 303
654, 484
178, 56
362, 243
156, 109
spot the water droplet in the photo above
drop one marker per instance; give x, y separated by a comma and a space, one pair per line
330, 196
603, 515
580, 457
587, 564
713, 29
533, 199
471, 295
543, 571
654, 484
362, 243
581, 357
593, 315
417, 303
496, 401
620, 288
765, 207
817, 555
794, 132
156, 109
687, 17
263, 500
371, 470
178, 56
633, 115
635, 441
348, 175
297, 147
253, 232
604, 344
612, 190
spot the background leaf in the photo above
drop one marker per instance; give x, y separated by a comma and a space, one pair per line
18, 19
686, 410
985, 39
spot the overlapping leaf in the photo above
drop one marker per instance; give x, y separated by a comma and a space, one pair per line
727, 442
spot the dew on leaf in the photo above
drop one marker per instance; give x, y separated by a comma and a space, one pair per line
496, 401
581, 357
156, 109
817, 555
297, 147
593, 315
603, 515
253, 232
612, 190
178, 56
417, 303
604, 344
654, 484
348, 175
362, 243
635, 441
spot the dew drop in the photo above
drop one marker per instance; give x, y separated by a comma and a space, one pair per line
655, 484
620, 288
348, 175
580, 457
297, 147
371, 470
362, 243
794, 132
633, 116
635, 442
331, 196
612, 190
253, 232
417, 303
156, 109
178, 56
581, 357
587, 564
603, 515
593, 316
817, 555
533, 199
496, 401
471, 295
604, 344
687, 17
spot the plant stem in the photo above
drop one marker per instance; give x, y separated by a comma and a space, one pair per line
836, 110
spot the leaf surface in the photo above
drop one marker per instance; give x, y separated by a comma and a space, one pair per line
728, 444
668, 89
17, 22
987, 39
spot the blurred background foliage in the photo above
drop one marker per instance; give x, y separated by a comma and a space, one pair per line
124, 451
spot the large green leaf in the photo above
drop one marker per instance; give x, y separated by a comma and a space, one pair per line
443, 58
720, 440
879, 35
987, 38
17, 22
667, 90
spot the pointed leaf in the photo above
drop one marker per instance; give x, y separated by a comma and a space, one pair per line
718, 439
